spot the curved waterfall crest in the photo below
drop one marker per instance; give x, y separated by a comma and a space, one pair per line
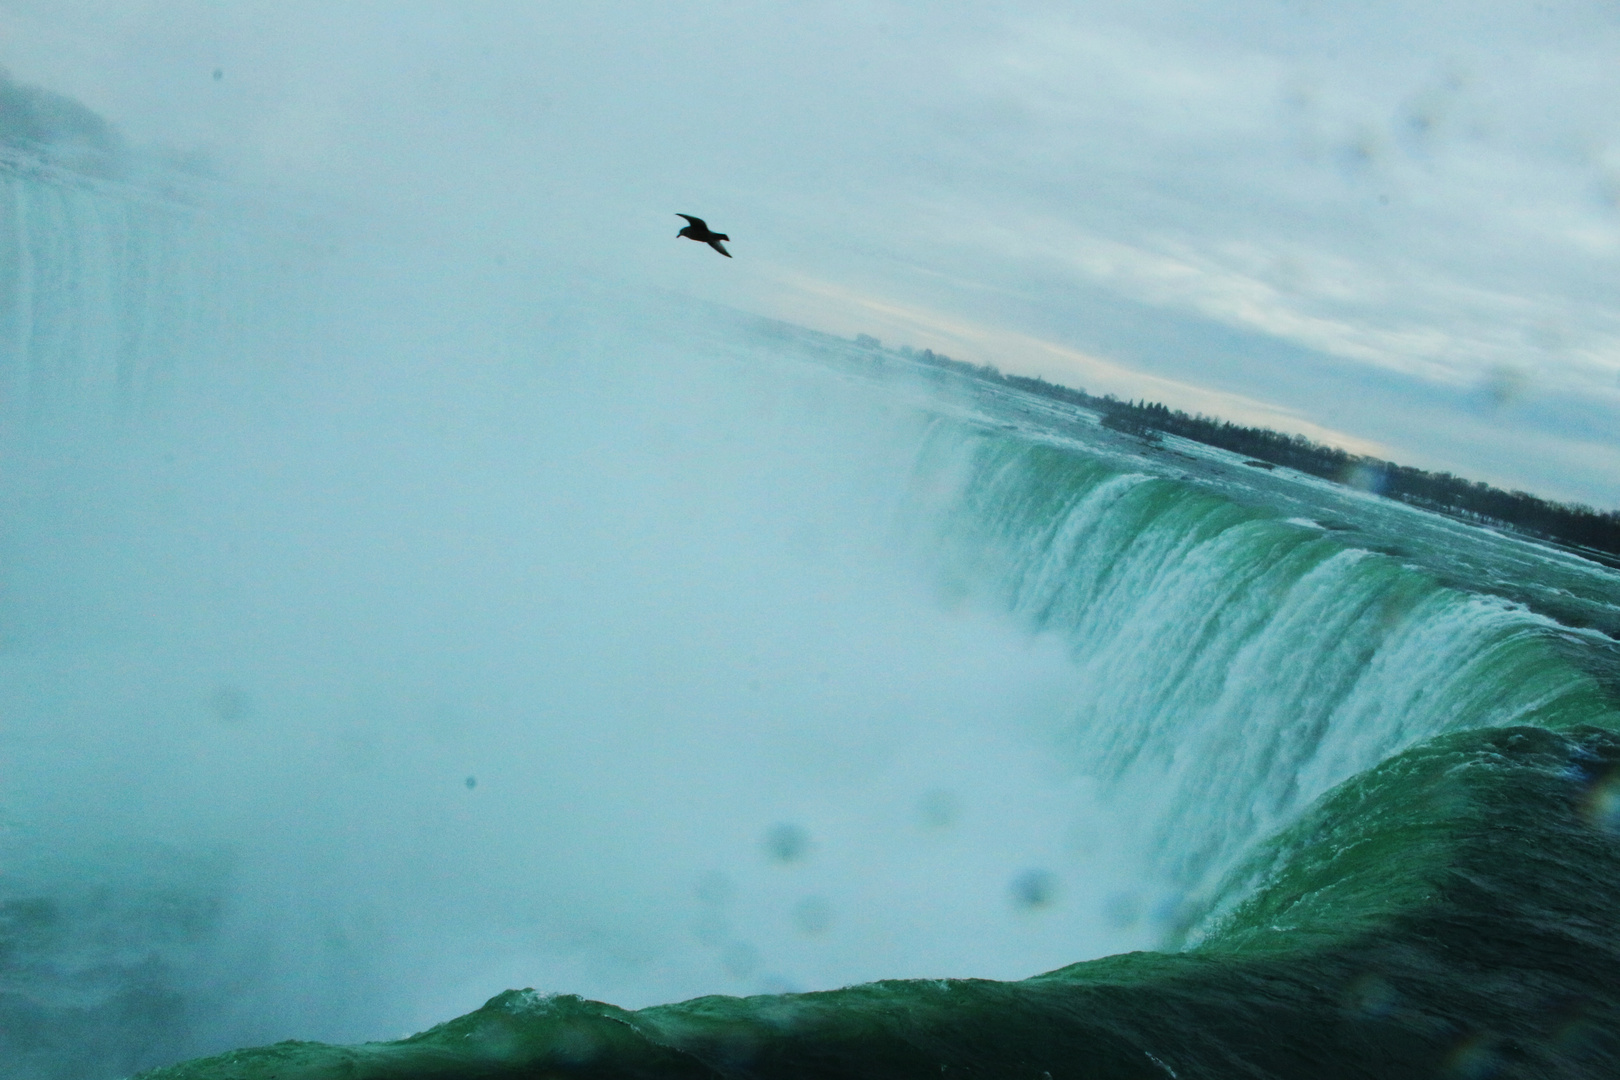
1235, 665
403, 629
114, 293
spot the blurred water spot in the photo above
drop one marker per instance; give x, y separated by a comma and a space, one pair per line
1289, 274
1079, 838
1122, 910
1608, 190
229, 704
1577, 1030
357, 751
812, 915
740, 959
787, 842
1360, 152
1035, 888
1475, 1057
715, 888
1173, 914
937, 809
1549, 334
711, 928
1505, 385
471, 782
575, 1046
1603, 803
1369, 995
1368, 478
1423, 119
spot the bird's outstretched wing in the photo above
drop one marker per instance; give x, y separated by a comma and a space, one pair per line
693, 220
717, 246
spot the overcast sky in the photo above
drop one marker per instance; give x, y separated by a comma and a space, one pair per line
1388, 226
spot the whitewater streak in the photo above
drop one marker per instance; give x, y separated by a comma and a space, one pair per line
1235, 665
1224, 666
104, 289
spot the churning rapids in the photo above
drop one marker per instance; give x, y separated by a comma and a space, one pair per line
383, 628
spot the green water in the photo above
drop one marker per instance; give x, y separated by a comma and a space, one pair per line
1390, 806
1446, 913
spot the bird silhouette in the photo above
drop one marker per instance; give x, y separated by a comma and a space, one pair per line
700, 232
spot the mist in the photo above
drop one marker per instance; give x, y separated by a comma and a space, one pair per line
423, 631
1352, 226
422, 575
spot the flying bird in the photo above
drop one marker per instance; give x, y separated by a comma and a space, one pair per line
698, 231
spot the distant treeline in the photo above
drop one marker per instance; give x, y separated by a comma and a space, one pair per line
1571, 524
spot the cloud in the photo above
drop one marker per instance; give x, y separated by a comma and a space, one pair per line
1267, 203
922, 328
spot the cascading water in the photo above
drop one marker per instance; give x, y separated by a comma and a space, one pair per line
107, 289
1232, 666
437, 630
378, 636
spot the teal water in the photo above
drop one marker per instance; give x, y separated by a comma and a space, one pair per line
1323, 786
1436, 789
1439, 915
1286, 659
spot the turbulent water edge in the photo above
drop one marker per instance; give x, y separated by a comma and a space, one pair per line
1443, 914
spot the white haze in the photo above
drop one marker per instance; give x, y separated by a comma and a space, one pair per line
1393, 230
465, 501
647, 586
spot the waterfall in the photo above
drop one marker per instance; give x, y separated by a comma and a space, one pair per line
378, 631
1234, 665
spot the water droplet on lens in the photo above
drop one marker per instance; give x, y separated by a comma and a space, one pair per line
937, 810
1123, 910
471, 782
1369, 995
230, 704
1034, 888
812, 915
1476, 1057
1603, 803
715, 888
787, 843
1504, 385
740, 958
711, 928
